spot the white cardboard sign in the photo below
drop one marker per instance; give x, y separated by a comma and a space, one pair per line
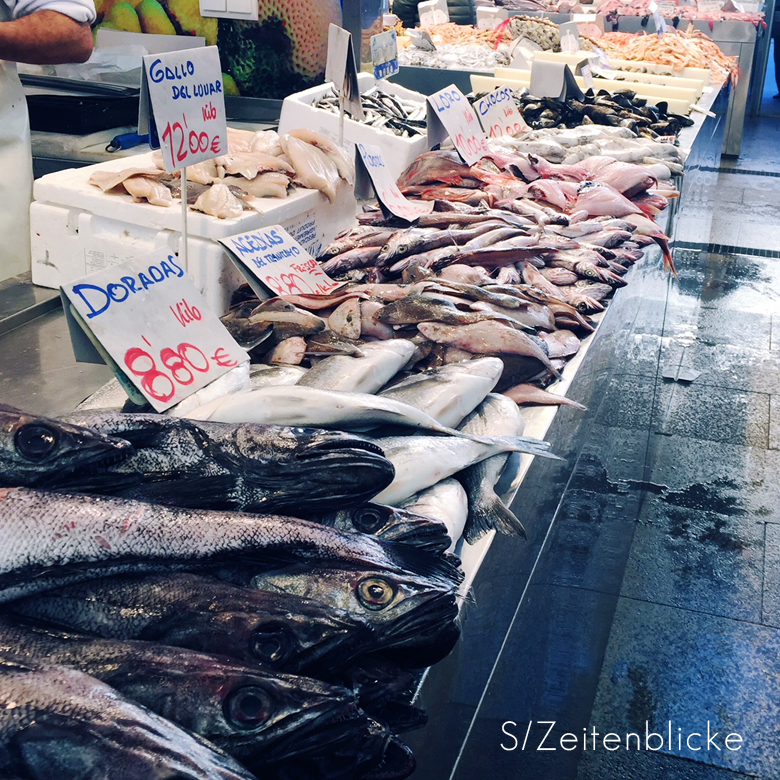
433, 12
451, 114
272, 256
386, 189
384, 54
499, 115
182, 104
155, 327
489, 18
340, 68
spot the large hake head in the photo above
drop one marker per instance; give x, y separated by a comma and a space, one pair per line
41, 452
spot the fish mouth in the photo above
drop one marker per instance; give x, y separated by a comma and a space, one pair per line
355, 446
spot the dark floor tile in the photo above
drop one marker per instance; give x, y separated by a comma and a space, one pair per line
642, 765
551, 660
484, 756
627, 402
771, 594
713, 325
704, 411
697, 560
666, 664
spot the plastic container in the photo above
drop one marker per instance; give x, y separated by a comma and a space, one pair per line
78, 229
298, 111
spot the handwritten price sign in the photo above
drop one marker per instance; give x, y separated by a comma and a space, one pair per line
183, 93
499, 115
386, 189
272, 256
450, 114
156, 327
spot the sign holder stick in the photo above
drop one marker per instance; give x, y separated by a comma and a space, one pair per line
184, 230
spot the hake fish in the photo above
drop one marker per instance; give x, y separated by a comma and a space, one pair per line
449, 393
496, 414
40, 452
257, 715
380, 362
390, 523
278, 630
422, 461
50, 539
60, 723
245, 467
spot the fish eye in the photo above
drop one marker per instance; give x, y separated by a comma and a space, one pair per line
272, 644
248, 708
368, 519
36, 441
375, 592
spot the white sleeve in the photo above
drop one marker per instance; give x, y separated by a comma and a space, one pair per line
78, 10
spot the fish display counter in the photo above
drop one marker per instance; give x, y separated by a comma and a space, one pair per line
281, 563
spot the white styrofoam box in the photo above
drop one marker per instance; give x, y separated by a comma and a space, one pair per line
78, 229
298, 111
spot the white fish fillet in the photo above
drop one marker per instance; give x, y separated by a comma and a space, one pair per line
264, 185
344, 165
250, 164
219, 201
146, 188
107, 180
313, 168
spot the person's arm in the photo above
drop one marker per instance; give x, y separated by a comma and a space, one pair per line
45, 38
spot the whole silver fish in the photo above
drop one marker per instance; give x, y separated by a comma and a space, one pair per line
422, 461
278, 630
48, 539
381, 361
445, 501
496, 414
449, 393
251, 713
58, 723
38, 451
261, 375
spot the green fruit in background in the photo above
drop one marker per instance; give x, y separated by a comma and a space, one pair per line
185, 15
229, 85
284, 51
154, 19
122, 16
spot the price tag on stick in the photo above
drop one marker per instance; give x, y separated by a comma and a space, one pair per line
271, 257
183, 106
499, 115
384, 54
372, 162
152, 326
451, 114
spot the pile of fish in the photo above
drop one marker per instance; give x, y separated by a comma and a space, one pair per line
611, 109
538, 29
155, 614
477, 57
383, 110
149, 630
572, 145
258, 164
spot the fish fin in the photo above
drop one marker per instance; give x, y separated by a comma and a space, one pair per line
492, 514
218, 491
423, 563
432, 537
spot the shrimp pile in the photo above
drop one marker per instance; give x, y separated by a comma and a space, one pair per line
678, 50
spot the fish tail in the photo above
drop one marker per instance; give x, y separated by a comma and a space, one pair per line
431, 537
663, 242
491, 514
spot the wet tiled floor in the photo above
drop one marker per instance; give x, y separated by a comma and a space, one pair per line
654, 553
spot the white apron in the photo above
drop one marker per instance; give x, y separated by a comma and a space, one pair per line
15, 170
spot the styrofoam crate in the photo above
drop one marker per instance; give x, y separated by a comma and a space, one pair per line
77, 229
298, 111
